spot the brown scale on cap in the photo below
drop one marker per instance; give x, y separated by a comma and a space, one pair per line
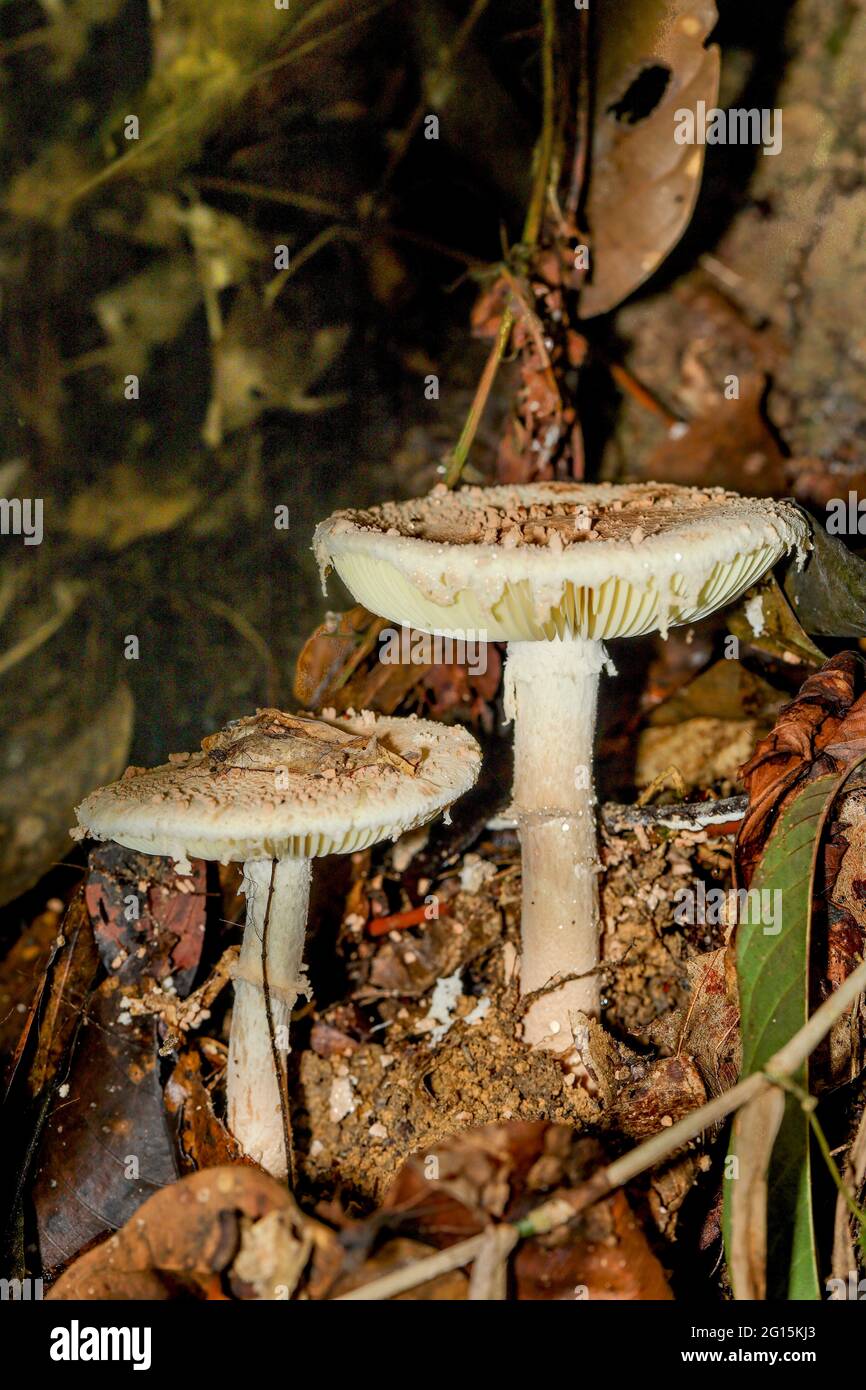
480, 516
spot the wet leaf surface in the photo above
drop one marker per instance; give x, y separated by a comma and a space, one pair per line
106, 1144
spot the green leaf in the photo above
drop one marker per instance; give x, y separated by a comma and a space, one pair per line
773, 974
829, 593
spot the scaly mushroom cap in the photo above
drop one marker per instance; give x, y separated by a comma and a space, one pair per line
277, 786
551, 560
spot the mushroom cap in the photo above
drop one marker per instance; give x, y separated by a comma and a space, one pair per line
277, 786
544, 560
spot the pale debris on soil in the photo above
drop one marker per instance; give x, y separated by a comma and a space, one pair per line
410, 1090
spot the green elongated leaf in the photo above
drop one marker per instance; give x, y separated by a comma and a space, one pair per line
773, 972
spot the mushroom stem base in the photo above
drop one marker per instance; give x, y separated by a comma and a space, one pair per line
551, 693
254, 1111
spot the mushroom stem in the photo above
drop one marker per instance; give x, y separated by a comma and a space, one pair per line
254, 1110
551, 689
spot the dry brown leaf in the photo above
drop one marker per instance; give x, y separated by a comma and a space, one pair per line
203, 1139
261, 363
331, 654
765, 619
643, 185
754, 1134
731, 443
124, 507
819, 732
188, 1238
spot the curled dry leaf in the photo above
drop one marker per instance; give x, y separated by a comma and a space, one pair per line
228, 1231
822, 731
340, 666
331, 654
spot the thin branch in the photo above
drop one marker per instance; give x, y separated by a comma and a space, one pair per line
458, 458
260, 191
574, 197
544, 153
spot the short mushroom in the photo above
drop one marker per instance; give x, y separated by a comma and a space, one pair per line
554, 569
274, 791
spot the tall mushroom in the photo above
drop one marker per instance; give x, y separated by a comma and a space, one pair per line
554, 569
274, 791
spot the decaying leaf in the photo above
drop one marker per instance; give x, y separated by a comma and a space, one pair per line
271, 739
819, 732
59, 998
331, 654
340, 666
730, 443
203, 1139
706, 1027
124, 507
204, 1236
499, 1172
766, 620
651, 62
23, 972
755, 1129
724, 690
105, 1144
146, 312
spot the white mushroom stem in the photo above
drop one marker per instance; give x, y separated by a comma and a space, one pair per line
551, 690
254, 1110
